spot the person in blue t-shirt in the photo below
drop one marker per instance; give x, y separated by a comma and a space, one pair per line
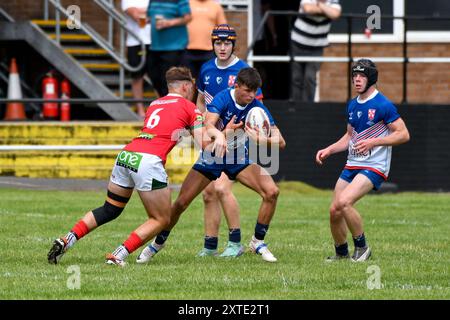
373, 127
225, 116
169, 38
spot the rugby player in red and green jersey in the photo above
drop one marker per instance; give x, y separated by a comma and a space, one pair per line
140, 166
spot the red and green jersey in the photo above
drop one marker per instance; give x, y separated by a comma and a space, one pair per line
166, 120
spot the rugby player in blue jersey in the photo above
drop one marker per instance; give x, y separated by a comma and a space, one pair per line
373, 127
227, 112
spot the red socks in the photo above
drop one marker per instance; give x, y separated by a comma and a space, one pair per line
133, 242
80, 229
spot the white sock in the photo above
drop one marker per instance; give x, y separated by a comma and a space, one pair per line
121, 253
157, 246
71, 239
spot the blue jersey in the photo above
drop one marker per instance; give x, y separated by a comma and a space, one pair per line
213, 79
225, 105
369, 119
237, 157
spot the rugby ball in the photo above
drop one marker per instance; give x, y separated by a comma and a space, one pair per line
258, 119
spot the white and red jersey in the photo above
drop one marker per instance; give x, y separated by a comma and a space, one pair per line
165, 121
369, 119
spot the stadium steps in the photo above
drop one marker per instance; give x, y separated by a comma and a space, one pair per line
93, 58
82, 164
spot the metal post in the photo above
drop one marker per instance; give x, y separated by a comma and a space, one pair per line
45, 9
122, 58
58, 25
349, 54
291, 58
405, 60
110, 26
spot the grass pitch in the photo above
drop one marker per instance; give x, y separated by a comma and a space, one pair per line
408, 232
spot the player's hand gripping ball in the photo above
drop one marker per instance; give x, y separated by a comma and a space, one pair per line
258, 120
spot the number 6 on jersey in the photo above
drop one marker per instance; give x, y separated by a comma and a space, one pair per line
153, 120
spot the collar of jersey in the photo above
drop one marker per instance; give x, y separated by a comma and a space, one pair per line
235, 103
174, 95
369, 98
233, 62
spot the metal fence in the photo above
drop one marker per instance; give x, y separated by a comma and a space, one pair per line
405, 59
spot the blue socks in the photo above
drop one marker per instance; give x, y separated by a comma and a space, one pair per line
360, 241
342, 250
234, 235
162, 237
261, 230
211, 243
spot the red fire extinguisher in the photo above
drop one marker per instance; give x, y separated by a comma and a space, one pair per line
50, 91
65, 105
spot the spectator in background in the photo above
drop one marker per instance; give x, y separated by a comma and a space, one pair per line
309, 36
205, 15
267, 39
169, 38
137, 22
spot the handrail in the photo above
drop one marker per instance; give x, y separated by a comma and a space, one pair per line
4, 14
100, 40
350, 58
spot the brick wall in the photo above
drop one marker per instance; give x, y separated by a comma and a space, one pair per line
238, 19
427, 82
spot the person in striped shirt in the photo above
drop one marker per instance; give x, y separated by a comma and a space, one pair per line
373, 127
309, 37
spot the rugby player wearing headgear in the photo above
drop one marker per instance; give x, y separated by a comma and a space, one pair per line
373, 127
140, 165
216, 75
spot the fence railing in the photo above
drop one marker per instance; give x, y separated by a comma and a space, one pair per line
405, 59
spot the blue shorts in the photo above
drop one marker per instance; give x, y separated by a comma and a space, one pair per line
349, 174
214, 170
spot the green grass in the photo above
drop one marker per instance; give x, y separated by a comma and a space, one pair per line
408, 232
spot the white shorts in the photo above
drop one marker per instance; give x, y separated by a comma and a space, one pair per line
142, 171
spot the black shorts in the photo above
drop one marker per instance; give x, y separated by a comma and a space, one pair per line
134, 55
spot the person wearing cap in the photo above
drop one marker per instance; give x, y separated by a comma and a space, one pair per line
373, 127
217, 74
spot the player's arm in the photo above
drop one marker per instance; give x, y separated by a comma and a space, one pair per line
219, 140
201, 138
338, 146
398, 134
275, 137
201, 105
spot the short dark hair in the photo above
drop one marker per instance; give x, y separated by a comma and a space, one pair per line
178, 74
249, 77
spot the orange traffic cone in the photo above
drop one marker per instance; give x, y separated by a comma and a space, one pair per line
14, 110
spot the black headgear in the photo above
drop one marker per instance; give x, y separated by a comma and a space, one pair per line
369, 69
